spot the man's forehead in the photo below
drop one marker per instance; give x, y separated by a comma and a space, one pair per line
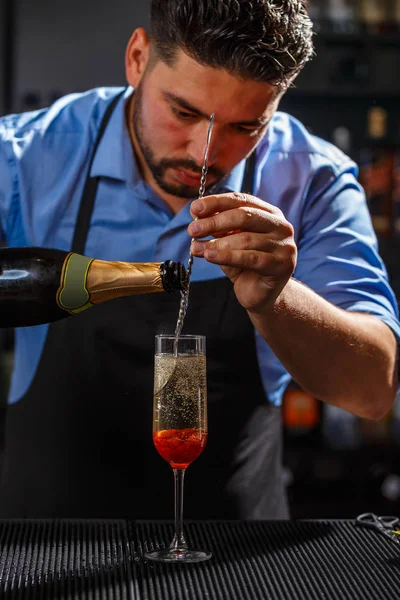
207, 90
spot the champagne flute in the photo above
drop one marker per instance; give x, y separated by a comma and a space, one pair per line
180, 424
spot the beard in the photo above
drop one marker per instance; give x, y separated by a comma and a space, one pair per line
158, 168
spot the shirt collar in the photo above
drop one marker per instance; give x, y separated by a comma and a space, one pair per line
232, 182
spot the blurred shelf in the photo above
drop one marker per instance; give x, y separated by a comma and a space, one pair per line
358, 38
351, 65
359, 35
349, 93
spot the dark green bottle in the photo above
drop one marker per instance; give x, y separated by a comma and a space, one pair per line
41, 285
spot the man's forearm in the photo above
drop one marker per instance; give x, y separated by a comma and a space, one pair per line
343, 358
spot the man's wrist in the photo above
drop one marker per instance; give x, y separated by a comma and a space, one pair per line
272, 308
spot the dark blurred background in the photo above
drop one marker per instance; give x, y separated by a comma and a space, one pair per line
336, 464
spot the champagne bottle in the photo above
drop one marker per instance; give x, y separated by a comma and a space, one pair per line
41, 285
377, 170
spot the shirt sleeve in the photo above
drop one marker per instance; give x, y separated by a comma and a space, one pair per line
5, 184
337, 248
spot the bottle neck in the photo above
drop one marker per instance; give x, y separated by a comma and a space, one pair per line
107, 280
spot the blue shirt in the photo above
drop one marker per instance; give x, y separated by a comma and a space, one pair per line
43, 164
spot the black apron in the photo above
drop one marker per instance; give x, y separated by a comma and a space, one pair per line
79, 443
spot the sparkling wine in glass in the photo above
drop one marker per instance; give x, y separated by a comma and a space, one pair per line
180, 423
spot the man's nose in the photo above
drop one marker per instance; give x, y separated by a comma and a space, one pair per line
196, 147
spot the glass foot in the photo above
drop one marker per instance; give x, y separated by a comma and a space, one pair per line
179, 556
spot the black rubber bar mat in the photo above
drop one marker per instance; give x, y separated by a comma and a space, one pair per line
275, 560
103, 560
62, 560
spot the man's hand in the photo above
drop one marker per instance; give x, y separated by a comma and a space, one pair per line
253, 243
345, 358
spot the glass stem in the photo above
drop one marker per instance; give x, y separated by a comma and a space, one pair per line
178, 543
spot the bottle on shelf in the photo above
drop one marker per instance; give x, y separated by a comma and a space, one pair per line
376, 15
301, 414
342, 15
41, 285
377, 172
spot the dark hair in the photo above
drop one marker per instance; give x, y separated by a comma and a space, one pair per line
263, 40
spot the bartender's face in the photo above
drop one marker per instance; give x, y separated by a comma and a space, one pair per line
171, 110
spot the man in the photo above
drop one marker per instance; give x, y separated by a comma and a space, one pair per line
287, 281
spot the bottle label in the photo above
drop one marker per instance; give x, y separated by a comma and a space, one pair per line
73, 295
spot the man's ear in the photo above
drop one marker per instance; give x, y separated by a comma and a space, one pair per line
136, 56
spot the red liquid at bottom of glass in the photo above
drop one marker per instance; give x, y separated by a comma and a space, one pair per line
180, 447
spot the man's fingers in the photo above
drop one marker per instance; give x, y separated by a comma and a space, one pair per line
237, 219
209, 205
249, 260
272, 258
238, 241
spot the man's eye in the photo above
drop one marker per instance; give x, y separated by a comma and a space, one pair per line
248, 130
181, 114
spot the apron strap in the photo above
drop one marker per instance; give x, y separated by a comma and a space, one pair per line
248, 177
90, 189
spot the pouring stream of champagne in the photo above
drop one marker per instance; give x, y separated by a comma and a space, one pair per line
202, 189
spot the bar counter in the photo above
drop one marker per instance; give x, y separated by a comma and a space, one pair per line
285, 560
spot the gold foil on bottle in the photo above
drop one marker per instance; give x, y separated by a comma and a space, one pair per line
107, 280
